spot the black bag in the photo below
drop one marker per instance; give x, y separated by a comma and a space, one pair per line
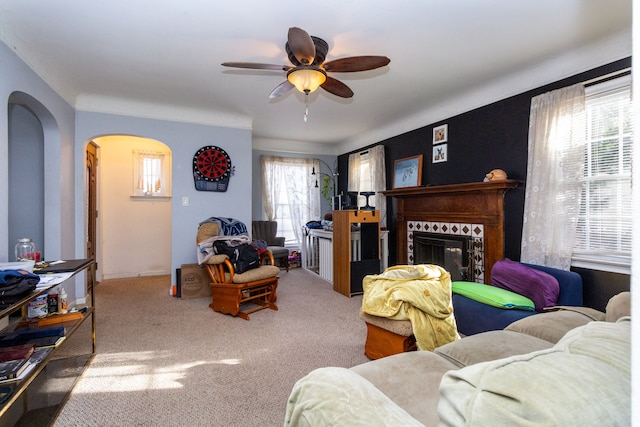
246, 258
221, 247
15, 284
243, 257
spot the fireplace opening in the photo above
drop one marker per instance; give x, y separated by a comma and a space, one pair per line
448, 251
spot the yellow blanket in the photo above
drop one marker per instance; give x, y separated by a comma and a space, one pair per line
418, 293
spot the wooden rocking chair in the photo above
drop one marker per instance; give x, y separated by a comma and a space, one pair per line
230, 290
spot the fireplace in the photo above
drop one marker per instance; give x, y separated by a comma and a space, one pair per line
470, 213
458, 248
449, 252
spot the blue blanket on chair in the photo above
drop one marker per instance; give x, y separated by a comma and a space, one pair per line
228, 226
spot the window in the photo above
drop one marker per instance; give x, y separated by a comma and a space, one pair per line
288, 195
151, 174
365, 178
283, 207
603, 236
367, 174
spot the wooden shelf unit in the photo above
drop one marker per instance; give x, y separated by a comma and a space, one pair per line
16, 405
347, 273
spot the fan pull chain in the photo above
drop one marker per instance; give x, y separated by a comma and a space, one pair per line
306, 106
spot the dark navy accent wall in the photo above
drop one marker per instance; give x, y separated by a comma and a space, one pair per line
489, 137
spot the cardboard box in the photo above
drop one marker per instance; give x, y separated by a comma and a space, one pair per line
194, 282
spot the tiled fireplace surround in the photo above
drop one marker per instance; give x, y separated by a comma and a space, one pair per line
474, 232
474, 209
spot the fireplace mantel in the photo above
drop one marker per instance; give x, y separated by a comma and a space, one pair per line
468, 203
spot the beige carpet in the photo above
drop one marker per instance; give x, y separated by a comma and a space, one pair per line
167, 361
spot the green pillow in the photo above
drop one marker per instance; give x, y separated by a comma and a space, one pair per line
493, 296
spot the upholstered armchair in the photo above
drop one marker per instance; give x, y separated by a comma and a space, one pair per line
267, 230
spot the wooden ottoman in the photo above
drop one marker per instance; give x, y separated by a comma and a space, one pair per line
386, 337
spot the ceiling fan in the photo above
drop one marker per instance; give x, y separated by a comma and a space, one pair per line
309, 71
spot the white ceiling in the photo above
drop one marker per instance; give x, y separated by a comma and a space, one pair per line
162, 59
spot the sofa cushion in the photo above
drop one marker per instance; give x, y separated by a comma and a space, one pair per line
262, 272
542, 288
492, 295
410, 380
398, 327
585, 379
278, 251
340, 397
217, 259
488, 346
556, 322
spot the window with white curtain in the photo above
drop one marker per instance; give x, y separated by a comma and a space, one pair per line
367, 173
288, 195
603, 236
151, 173
365, 183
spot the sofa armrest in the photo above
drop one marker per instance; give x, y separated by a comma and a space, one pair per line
570, 284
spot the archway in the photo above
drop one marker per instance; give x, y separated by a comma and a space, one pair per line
33, 142
133, 227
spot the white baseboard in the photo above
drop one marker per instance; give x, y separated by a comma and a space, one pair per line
128, 275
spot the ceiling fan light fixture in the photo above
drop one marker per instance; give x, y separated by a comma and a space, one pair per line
309, 70
306, 80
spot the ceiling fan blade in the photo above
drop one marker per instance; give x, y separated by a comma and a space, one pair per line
301, 45
257, 66
337, 88
281, 89
356, 63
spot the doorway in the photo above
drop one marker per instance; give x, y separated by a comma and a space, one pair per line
91, 197
132, 227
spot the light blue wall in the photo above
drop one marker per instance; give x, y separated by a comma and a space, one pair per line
66, 134
26, 169
184, 139
19, 84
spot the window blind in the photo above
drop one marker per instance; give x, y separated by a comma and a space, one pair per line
604, 223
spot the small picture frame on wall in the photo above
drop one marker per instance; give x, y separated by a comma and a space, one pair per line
440, 153
407, 172
440, 134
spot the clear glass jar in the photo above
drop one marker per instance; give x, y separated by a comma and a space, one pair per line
25, 250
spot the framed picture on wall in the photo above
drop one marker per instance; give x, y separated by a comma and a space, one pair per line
440, 134
407, 172
440, 153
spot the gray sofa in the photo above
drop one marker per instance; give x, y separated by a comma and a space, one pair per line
570, 366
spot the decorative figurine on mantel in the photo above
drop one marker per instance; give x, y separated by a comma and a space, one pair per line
495, 175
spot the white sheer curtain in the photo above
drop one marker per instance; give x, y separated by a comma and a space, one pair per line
375, 179
151, 177
355, 164
554, 177
287, 184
